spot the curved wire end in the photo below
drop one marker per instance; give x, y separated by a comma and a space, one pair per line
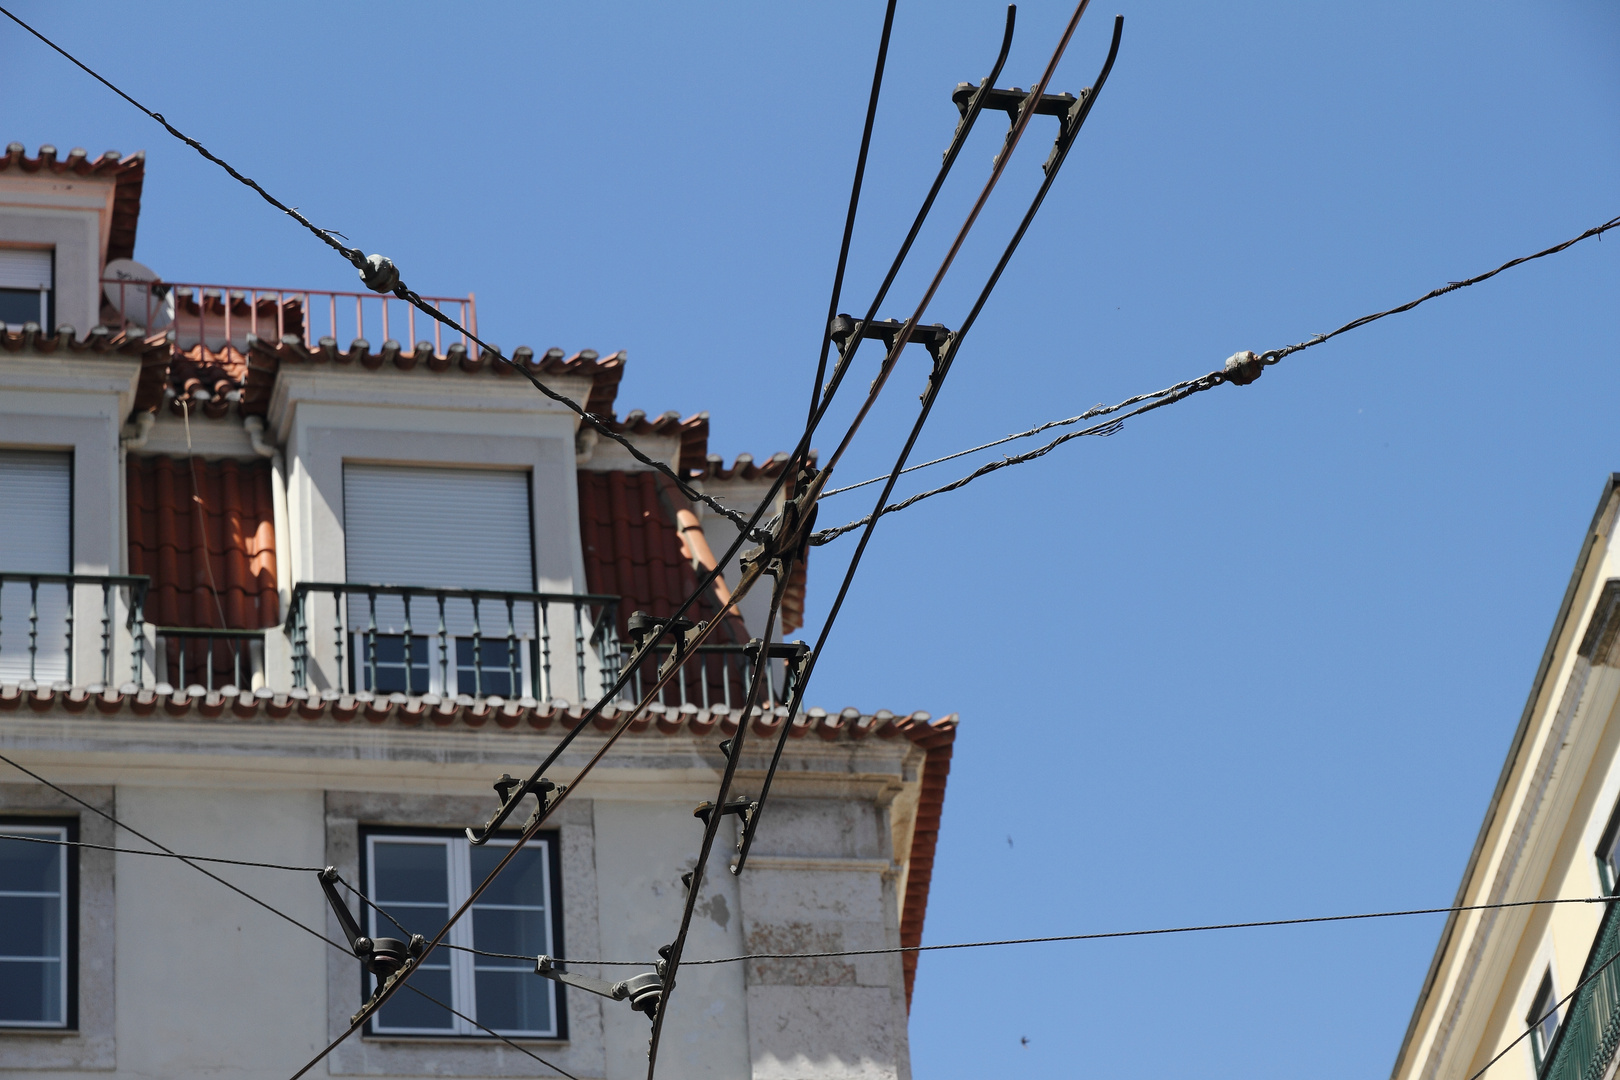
1006, 41
1113, 51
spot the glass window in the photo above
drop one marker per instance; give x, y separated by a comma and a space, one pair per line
35, 924
420, 879
1542, 1019
27, 277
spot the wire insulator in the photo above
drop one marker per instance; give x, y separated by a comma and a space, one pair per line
1243, 368
380, 274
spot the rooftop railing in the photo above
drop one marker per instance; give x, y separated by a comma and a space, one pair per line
216, 314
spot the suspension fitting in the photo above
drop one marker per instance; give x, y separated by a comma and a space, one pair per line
789, 532
512, 793
644, 991
384, 957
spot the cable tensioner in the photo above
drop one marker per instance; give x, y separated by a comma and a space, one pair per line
645, 991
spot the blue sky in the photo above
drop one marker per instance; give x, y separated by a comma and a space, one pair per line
1257, 655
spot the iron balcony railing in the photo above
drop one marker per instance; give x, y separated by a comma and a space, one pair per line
1585, 1042
383, 639
217, 314
713, 675
209, 658
47, 635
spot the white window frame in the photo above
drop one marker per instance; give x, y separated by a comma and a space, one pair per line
1538, 1045
464, 966
65, 953
435, 685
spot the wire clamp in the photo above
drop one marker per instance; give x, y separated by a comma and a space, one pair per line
740, 806
380, 274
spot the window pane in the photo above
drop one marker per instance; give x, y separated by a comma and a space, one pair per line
508, 930
514, 1001
31, 992
488, 670
29, 867
390, 674
30, 926
413, 873
522, 882
408, 1010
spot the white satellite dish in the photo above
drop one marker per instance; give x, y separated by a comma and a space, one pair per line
137, 294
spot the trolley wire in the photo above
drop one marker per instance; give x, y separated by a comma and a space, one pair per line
854, 203
157, 854
1068, 132
1168, 395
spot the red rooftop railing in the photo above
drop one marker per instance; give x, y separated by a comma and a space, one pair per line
217, 314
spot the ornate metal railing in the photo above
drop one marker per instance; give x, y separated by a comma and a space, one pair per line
714, 675
1586, 1039
480, 642
42, 622
209, 658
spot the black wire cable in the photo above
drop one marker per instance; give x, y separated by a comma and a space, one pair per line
854, 202
1177, 392
173, 854
492, 1031
157, 854
1559, 1004
711, 826
1067, 134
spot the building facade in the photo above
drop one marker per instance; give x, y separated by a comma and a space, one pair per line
268, 597
1495, 995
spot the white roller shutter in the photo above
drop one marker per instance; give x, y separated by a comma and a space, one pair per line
465, 528
25, 269
36, 523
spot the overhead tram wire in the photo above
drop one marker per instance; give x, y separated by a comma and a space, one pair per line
191, 861
375, 274
964, 127
711, 825
1068, 132
1169, 395
854, 203
896, 348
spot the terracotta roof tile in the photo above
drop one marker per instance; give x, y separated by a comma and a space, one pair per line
128, 175
168, 530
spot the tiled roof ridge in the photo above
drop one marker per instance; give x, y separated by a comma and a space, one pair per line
99, 339
128, 173
713, 467
849, 725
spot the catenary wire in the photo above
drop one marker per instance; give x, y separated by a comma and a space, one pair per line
491, 1031
711, 826
896, 347
1177, 392
170, 852
1068, 132
799, 455
357, 258
854, 203
158, 854
1091, 937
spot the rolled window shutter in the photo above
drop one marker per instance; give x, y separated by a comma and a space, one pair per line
36, 490
461, 528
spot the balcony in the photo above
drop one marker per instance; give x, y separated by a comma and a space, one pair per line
217, 314
1586, 1039
75, 629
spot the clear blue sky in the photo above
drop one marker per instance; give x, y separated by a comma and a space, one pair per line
1257, 655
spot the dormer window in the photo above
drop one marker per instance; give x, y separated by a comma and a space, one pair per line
27, 279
